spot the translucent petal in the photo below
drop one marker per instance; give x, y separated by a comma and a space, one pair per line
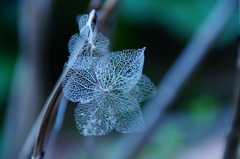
83, 21
79, 86
83, 63
81, 53
107, 112
128, 114
101, 43
144, 89
120, 70
95, 118
104, 73
75, 47
73, 42
84, 32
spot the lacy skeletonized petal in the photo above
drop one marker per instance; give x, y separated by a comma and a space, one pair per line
73, 42
120, 70
83, 21
128, 114
80, 86
101, 43
144, 89
75, 46
127, 68
95, 118
107, 112
88, 43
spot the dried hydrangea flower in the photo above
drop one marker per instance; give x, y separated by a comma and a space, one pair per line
107, 85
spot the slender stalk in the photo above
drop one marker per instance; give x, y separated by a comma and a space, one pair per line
49, 107
175, 78
57, 126
29, 143
105, 13
94, 4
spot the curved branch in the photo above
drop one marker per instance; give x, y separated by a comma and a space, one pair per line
49, 107
105, 13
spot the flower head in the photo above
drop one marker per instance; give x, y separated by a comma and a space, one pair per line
107, 85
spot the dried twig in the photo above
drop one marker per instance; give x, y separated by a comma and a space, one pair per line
57, 126
105, 13
29, 143
49, 107
176, 77
94, 4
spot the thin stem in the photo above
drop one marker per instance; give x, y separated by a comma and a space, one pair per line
29, 143
176, 77
105, 13
49, 107
57, 126
94, 4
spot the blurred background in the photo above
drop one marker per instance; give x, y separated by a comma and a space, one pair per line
33, 50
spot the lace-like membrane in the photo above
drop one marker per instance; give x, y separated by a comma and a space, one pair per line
100, 116
107, 85
144, 89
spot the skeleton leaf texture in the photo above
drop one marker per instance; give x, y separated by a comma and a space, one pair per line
108, 86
